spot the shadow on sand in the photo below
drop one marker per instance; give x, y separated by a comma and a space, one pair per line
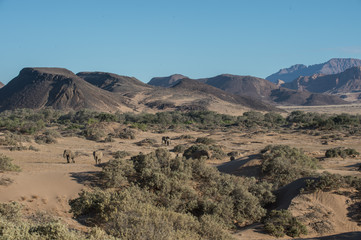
232, 166
341, 236
91, 178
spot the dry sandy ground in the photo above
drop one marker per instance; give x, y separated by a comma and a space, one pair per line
47, 182
354, 108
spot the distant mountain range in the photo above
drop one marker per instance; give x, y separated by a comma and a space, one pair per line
261, 89
333, 66
60, 88
346, 84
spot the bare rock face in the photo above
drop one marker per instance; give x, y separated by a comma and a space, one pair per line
333, 66
345, 82
55, 87
113, 82
1, 85
166, 81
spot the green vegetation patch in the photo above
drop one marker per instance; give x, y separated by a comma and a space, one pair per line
283, 164
341, 152
281, 222
175, 197
7, 165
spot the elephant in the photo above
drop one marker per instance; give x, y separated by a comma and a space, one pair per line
68, 154
98, 155
166, 140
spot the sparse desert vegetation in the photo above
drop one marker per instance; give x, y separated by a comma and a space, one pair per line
187, 190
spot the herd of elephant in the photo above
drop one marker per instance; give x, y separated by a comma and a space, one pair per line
69, 155
98, 155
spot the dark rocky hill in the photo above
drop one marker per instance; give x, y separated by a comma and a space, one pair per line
166, 81
333, 66
113, 82
286, 96
58, 88
202, 88
259, 88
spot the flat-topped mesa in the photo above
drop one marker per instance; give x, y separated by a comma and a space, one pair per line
166, 81
55, 87
48, 70
31, 75
113, 82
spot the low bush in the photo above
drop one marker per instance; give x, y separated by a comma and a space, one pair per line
205, 140
48, 137
32, 148
7, 165
126, 133
5, 181
328, 182
179, 148
341, 152
197, 151
18, 147
217, 152
120, 154
281, 222
147, 142
94, 133
116, 173
186, 136
283, 164
10, 211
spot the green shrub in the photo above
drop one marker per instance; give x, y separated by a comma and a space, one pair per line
140, 126
326, 182
192, 151
48, 137
120, 154
18, 147
282, 164
5, 181
186, 136
205, 140
158, 185
10, 211
115, 173
126, 133
341, 152
147, 142
94, 133
7, 165
217, 152
281, 222
179, 148
32, 148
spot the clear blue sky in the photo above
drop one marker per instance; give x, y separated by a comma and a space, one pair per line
196, 38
